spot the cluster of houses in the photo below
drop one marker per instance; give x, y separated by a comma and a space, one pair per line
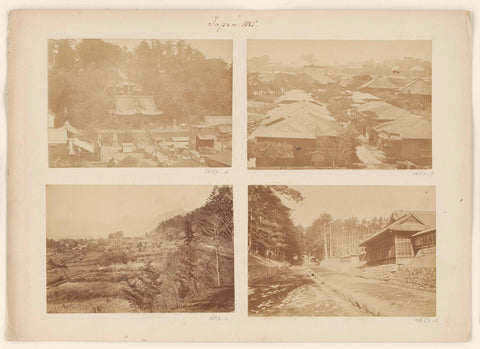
140, 136
392, 134
401, 135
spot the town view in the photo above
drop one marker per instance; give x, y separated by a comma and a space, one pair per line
341, 251
122, 249
139, 103
339, 104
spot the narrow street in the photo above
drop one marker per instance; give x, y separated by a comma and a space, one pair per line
367, 157
295, 292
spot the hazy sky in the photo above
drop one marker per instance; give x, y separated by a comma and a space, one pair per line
329, 52
361, 201
95, 211
210, 48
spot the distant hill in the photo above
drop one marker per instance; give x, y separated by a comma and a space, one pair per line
169, 214
172, 228
131, 226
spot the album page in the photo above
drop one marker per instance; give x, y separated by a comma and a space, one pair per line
239, 175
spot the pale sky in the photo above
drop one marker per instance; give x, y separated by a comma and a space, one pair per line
329, 52
361, 201
83, 211
210, 48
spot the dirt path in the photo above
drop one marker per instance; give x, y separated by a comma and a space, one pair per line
294, 292
367, 157
380, 298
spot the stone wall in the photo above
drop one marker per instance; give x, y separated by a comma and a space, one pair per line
416, 277
383, 272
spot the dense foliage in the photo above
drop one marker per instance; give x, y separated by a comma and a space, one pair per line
203, 260
184, 83
338, 237
271, 232
269, 150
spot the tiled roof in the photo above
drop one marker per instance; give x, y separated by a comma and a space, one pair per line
362, 97
304, 126
383, 111
297, 108
415, 221
379, 82
407, 126
132, 105
295, 96
417, 87
216, 120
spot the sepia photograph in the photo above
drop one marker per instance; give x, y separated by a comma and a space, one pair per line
139, 103
341, 251
339, 104
139, 249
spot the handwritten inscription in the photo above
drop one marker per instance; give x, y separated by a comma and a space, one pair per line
427, 320
218, 318
421, 173
220, 24
216, 171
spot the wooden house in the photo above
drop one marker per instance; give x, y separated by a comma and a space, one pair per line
302, 131
408, 138
393, 244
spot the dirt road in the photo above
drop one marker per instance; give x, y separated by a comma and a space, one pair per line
378, 297
295, 292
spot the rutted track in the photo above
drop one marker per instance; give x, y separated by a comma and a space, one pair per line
334, 293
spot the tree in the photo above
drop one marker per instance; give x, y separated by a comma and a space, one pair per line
216, 223
347, 150
212, 227
339, 236
269, 151
182, 80
270, 227
339, 108
253, 83
98, 54
144, 289
341, 150
319, 236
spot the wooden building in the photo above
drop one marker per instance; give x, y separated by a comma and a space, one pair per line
408, 138
134, 111
374, 112
214, 132
394, 244
424, 242
418, 92
379, 86
303, 132
417, 87
318, 73
293, 96
68, 145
